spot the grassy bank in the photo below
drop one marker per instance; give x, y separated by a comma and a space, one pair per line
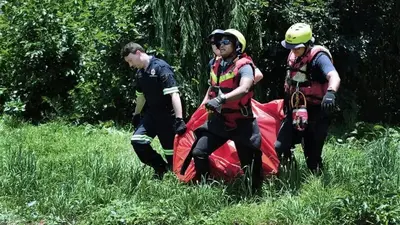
63, 174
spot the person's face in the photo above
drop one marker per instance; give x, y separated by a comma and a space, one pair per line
214, 46
298, 51
226, 47
134, 60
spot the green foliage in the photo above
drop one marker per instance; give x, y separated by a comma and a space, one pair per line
38, 53
378, 199
61, 58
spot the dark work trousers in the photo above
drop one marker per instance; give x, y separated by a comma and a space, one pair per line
162, 126
313, 137
246, 136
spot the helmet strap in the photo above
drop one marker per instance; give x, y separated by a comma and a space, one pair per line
306, 50
233, 55
309, 44
238, 47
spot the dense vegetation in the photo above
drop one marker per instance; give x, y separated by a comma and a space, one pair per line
61, 58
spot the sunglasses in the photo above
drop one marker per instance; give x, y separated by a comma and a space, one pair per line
225, 42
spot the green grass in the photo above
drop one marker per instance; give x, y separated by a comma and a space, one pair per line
57, 173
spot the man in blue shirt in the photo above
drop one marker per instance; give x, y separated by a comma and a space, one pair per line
312, 78
157, 87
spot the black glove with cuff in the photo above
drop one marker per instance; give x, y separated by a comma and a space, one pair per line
328, 102
180, 126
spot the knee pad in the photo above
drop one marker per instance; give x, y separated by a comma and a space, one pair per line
199, 153
278, 148
201, 163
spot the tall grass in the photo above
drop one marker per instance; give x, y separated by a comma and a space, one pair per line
57, 173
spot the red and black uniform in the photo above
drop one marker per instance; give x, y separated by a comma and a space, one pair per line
235, 122
308, 73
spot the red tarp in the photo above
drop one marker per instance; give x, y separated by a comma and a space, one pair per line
224, 162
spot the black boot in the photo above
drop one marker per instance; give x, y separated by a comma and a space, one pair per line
316, 170
257, 175
287, 160
202, 167
170, 162
159, 172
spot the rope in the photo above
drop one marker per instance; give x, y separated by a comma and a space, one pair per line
297, 93
296, 105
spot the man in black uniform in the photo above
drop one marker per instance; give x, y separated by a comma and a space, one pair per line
156, 85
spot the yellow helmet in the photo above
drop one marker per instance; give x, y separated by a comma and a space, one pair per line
239, 37
298, 35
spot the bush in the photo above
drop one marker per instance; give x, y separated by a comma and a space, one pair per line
62, 57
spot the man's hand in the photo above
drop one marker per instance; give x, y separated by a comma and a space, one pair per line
328, 102
180, 126
136, 120
215, 104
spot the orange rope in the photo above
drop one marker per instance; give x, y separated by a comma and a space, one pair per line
297, 94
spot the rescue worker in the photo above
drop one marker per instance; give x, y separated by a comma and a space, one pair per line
157, 87
310, 96
214, 39
230, 116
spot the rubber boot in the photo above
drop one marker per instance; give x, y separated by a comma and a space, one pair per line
202, 167
169, 162
159, 171
257, 174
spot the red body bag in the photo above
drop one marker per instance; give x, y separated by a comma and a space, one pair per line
224, 162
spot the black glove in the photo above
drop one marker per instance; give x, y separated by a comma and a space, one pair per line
328, 102
136, 120
215, 103
180, 126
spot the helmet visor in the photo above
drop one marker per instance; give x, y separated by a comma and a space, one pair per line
291, 46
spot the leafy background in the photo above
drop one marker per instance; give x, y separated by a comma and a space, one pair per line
60, 59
